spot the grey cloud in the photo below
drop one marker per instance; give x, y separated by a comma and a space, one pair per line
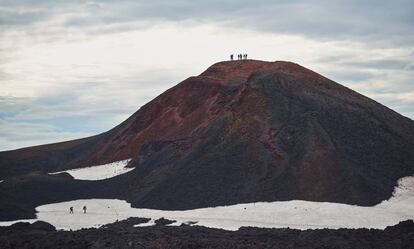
410, 66
317, 19
377, 21
4, 75
30, 134
32, 121
8, 17
369, 63
84, 109
352, 75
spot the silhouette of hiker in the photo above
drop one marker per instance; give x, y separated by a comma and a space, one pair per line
231, 57
84, 209
71, 210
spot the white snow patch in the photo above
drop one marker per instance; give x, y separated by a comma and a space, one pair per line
147, 224
8, 223
279, 214
1, 181
99, 172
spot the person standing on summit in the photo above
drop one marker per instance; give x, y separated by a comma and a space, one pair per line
84, 209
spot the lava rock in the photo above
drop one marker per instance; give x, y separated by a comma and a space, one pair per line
163, 222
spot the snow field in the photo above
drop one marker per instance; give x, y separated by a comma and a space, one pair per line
279, 214
99, 172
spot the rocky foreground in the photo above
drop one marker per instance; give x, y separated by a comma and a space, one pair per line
125, 235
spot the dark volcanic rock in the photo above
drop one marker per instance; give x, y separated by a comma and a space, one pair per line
130, 222
162, 221
242, 131
400, 236
38, 226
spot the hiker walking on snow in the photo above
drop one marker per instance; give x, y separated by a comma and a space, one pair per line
71, 210
231, 57
84, 209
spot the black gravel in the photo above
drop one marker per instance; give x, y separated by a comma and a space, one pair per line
124, 235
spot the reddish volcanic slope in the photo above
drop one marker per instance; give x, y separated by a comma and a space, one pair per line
170, 115
180, 112
245, 131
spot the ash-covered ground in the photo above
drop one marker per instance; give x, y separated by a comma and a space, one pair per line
125, 234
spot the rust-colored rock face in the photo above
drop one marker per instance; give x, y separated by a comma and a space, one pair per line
244, 131
184, 111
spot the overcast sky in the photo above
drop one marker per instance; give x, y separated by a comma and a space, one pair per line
70, 69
